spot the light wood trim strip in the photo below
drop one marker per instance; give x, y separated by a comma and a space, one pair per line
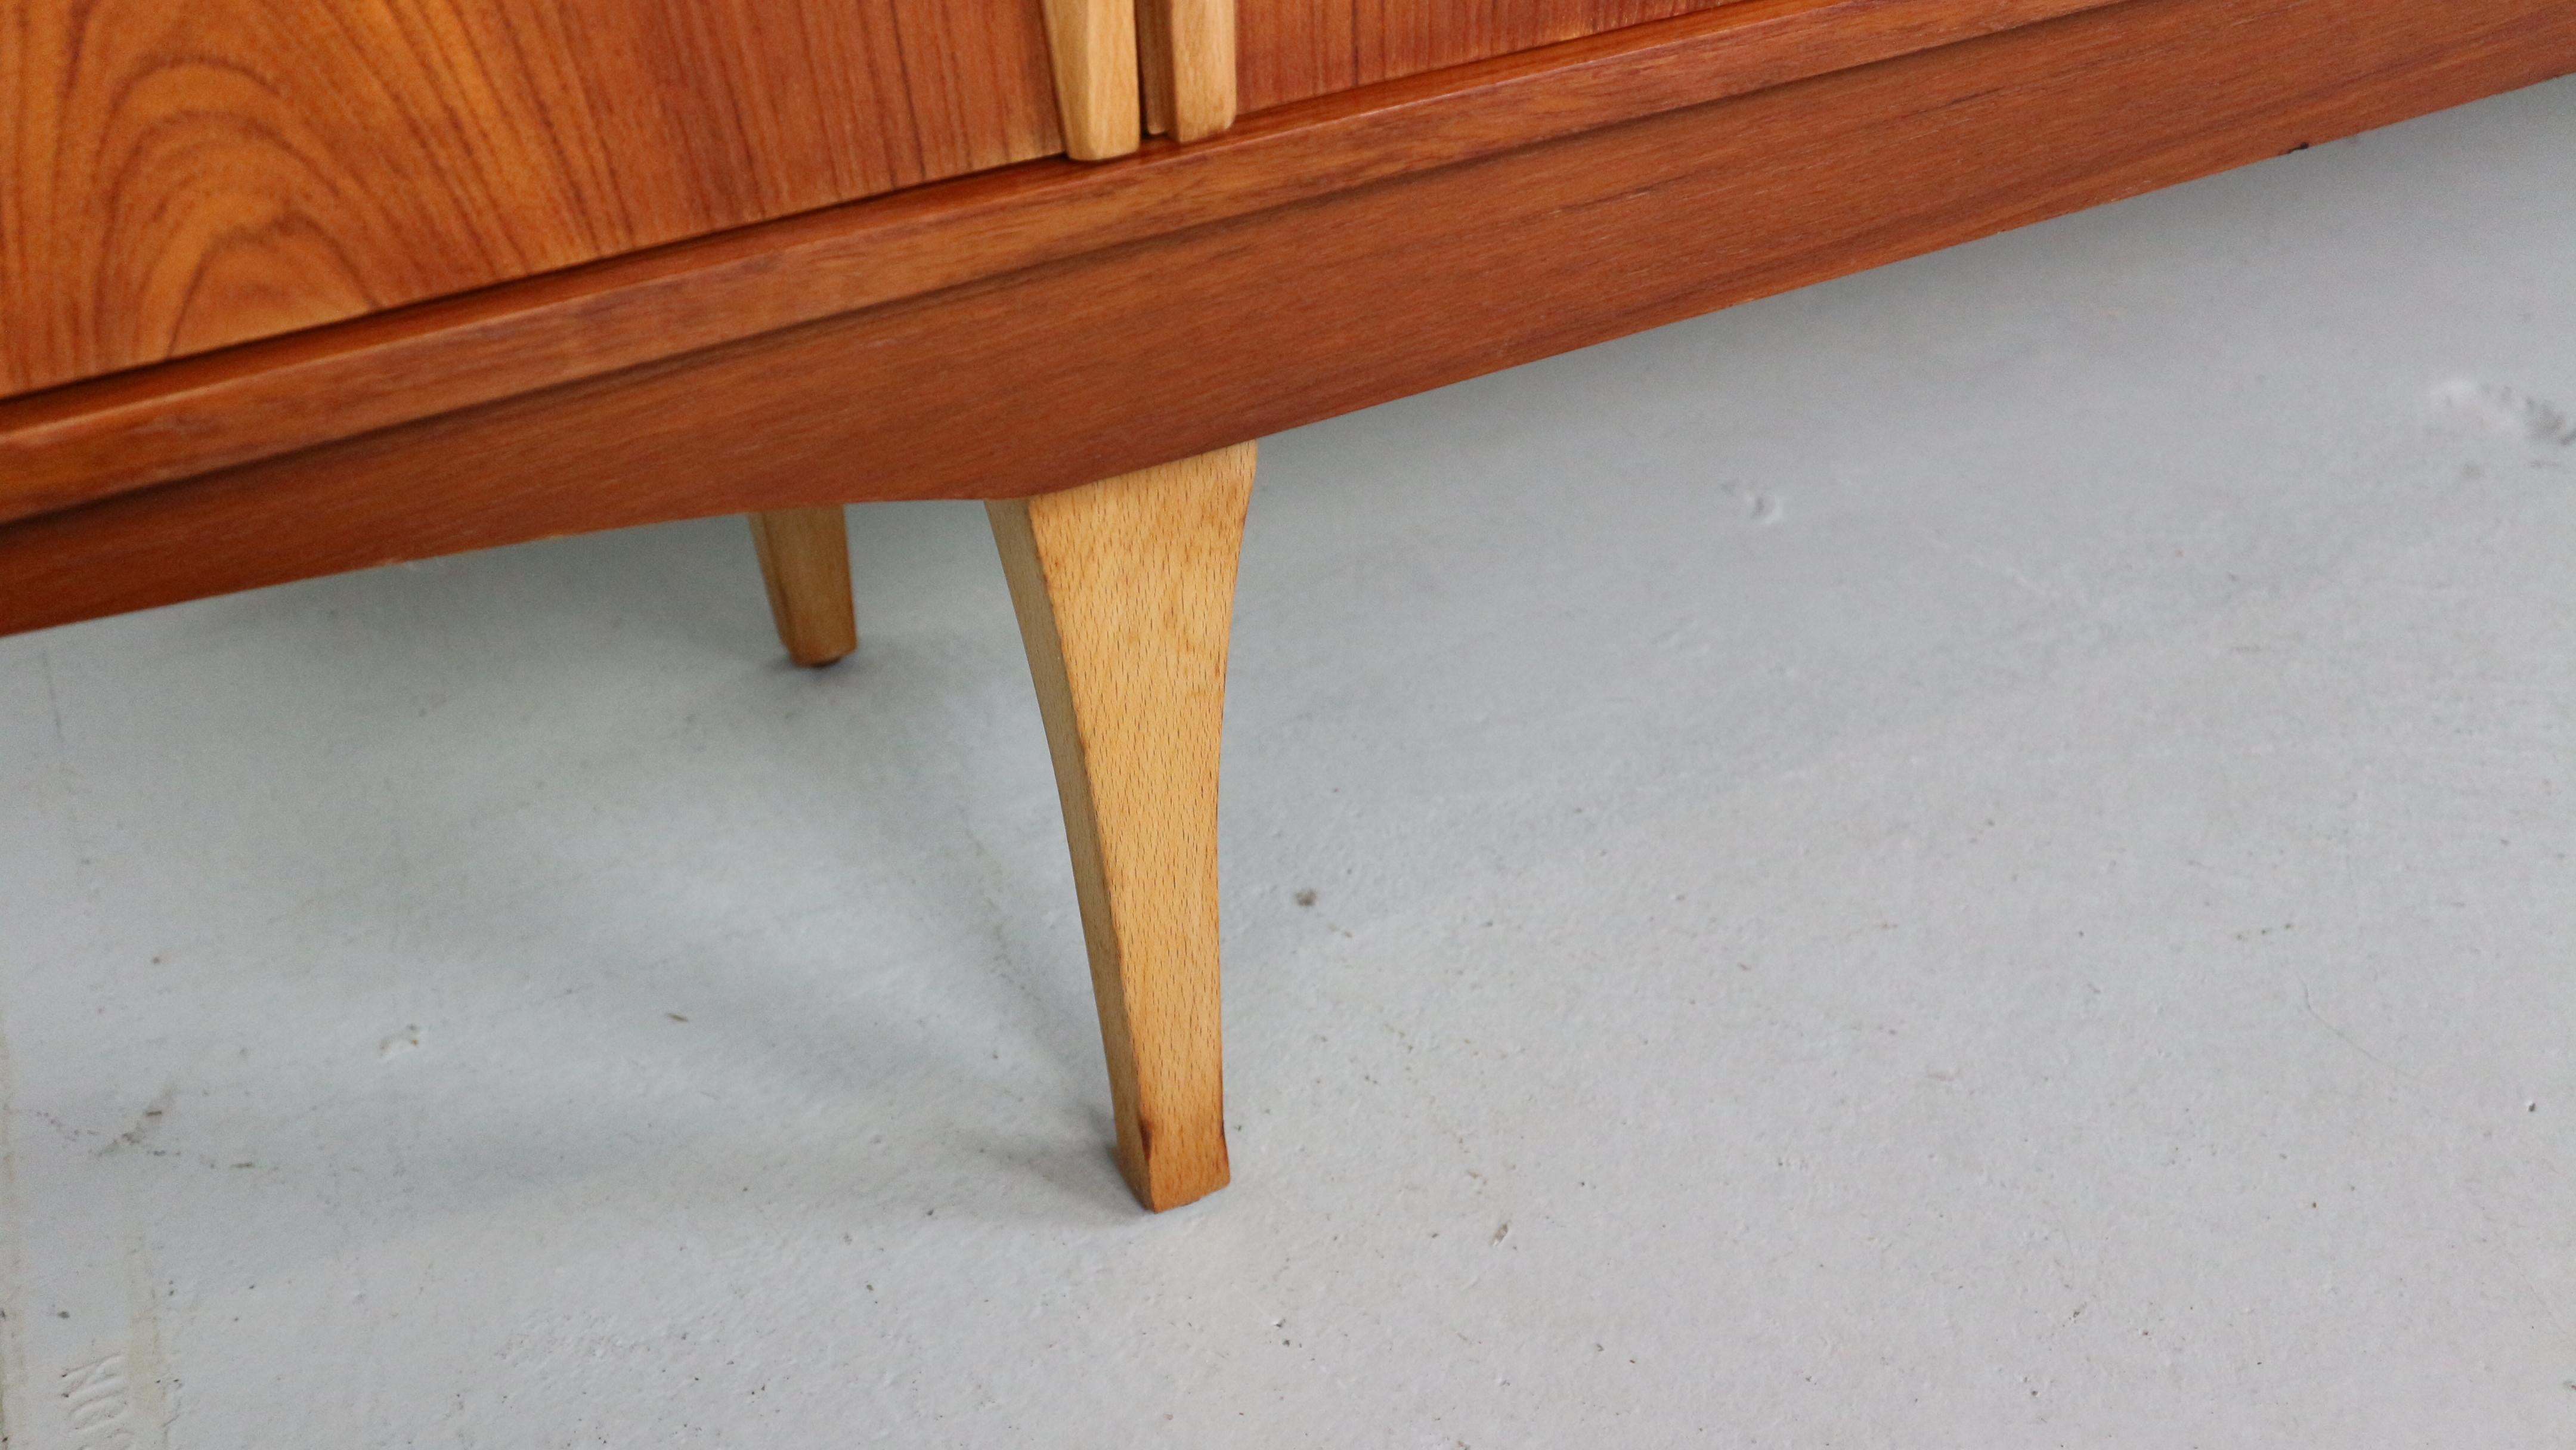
1188, 52
1128, 356
104, 437
1093, 45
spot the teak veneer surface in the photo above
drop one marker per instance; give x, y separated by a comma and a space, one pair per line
1294, 49
178, 175
1142, 351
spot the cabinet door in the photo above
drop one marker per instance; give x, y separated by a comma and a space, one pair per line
178, 175
1292, 49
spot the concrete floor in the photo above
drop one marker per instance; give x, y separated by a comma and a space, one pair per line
1975, 856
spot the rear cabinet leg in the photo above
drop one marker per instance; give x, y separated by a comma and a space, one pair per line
805, 560
1125, 595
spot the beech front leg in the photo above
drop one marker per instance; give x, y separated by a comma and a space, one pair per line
1125, 593
805, 561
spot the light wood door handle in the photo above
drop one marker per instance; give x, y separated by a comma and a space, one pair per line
1187, 51
1093, 43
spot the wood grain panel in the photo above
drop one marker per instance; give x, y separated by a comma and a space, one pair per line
1288, 50
1139, 353
179, 176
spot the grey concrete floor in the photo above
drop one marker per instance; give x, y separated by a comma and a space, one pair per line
1979, 855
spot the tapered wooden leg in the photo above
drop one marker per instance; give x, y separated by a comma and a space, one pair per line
1125, 592
805, 560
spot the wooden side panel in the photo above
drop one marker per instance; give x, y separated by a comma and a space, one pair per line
176, 175
1138, 354
1289, 50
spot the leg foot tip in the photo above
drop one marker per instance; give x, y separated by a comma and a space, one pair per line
1161, 1188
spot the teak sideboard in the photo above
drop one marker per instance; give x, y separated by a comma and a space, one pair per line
296, 286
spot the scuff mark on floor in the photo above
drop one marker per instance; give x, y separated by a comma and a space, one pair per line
2306, 1001
2507, 410
118, 1399
145, 1124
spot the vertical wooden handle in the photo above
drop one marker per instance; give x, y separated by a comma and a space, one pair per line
1093, 43
1187, 51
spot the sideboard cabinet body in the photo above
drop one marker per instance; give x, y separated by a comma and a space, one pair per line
295, 286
